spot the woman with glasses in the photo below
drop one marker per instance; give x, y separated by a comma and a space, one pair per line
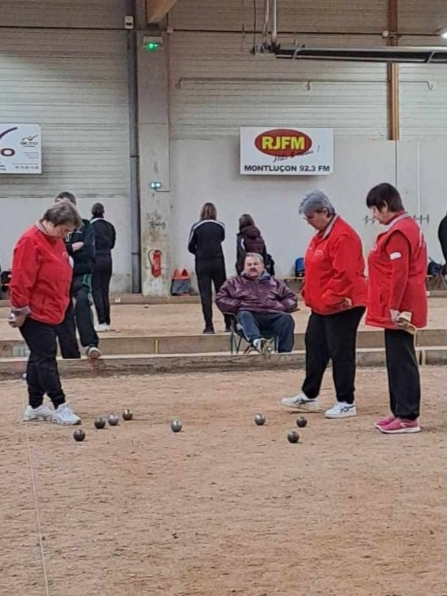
397, 303
335, 291
42, 272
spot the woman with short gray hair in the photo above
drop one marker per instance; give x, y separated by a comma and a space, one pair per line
335, 291
39, 296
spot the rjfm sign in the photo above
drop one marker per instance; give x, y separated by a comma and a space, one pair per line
287, 151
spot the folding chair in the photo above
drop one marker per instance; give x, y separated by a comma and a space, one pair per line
237, 336
5, 280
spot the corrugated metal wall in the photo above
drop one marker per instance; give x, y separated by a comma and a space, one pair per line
217, 87
333, 16
101, 14
74, 85
73, 82
422, 17
423, 95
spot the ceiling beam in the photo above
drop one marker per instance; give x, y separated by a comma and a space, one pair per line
156, 10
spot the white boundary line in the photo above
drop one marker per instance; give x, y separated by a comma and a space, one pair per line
36, 507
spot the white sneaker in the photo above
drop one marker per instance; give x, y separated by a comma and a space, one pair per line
101, 327
341, 410
41, 413
64, 415
93, 353
301, 403
259, 344
263, 346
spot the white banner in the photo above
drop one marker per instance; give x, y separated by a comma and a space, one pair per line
287, 151
20, 149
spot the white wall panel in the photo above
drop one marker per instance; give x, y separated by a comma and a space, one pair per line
18, 214
209, 170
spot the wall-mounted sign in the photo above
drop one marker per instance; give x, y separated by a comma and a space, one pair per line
20, 149
287, 151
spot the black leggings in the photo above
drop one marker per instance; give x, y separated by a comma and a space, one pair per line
208, 273
403, 374
42, 375
79, 314
100, 289
332, 337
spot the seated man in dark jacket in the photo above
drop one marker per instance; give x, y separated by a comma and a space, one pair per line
262, 305
81, 248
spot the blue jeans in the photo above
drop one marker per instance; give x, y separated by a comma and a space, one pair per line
268, 325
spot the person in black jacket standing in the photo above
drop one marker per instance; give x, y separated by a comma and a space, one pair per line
105, 242
249, 239
442, 237
80, 246
205, 242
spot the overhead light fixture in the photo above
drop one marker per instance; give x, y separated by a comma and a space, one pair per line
417, 55
442, 32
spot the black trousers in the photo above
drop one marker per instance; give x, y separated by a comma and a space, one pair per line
332, 337
79, 314
403, 374
268, 325
208, 273
100, 289
42, 375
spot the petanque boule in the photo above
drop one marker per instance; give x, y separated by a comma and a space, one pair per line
113, 420
127, 414
259, 419
301, 422
293, 437
176, 426
100, 423
79, 435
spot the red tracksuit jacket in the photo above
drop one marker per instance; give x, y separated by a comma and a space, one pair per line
397, 268
335, 269
41, 276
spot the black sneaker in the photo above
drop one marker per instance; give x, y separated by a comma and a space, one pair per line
208, 330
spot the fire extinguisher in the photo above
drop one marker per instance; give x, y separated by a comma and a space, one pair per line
155, 261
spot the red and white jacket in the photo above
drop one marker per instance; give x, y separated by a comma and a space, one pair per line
41, 277
397, 269
335, 269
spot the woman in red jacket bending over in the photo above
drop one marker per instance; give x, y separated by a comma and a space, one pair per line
335, 290
39, 296
397, 302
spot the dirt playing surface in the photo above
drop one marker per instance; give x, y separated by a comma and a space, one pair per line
186, 319
224, 507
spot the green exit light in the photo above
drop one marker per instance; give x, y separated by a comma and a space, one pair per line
152, 46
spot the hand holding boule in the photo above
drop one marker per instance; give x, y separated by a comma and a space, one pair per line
16, 321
